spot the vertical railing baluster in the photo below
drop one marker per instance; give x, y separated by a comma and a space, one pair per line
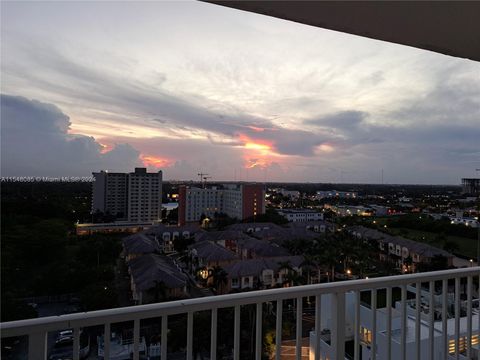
164, 337
258, 332
338, 322
318, 325
457, 318
389, 323
431, 333
403, 340
136, 339
190, 335
278, 330
356, 330
37, 345
106, 341
298, 338
76, 343
374, 324
213, 335
236, 333
418, 314
444, 318
469, 316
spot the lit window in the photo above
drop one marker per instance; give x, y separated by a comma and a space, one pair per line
365, 335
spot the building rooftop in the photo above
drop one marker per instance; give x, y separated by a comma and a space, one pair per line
150, 269
254, 267
140, 243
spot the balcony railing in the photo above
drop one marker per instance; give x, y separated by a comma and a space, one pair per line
37, 329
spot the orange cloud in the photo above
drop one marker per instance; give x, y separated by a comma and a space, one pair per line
255, 144
255, 128
105, 148
155, 161
258, 153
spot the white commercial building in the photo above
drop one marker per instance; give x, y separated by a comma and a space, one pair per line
417, 327
238, 201
301, 215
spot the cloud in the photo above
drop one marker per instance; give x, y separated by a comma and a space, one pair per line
35, 142
346, 120
106, 92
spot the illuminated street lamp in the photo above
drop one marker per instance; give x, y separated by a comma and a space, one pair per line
349, 272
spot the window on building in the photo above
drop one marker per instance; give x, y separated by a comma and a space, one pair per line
365, 335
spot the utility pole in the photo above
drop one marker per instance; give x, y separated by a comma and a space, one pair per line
478, 228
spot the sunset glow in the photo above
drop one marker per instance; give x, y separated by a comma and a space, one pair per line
105, 148
257, 146
155, 161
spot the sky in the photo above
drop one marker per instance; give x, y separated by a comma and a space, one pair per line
188, 87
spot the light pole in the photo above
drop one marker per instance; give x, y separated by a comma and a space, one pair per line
478, 228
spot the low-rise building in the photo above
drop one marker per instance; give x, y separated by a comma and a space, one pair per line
381, 337
322, 194
137, 245
262, 273
401, 248
156, 277
301, 215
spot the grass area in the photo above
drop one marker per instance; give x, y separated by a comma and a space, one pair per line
466, 247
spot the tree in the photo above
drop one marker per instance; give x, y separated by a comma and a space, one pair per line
219, 278
285, 265
450, 246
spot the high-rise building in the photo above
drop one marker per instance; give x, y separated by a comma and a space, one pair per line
237, 201
471, 186
134, 197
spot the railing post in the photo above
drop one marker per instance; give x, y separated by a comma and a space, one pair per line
258, 332
213, 335
37, 346
338, 325
299, 329
278, 330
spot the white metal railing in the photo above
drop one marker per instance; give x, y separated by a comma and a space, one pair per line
37, 329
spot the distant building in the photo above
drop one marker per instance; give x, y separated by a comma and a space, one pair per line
119, 226
336, 194
132, 197
471, 186
237, 201
292, 194
346, 210
301, 215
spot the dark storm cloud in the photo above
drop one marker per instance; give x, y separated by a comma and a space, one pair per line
35, 142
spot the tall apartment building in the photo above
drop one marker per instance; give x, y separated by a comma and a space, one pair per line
133, 197
471, 186
237, 201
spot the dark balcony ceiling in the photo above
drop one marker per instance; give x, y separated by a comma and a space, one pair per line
447, 27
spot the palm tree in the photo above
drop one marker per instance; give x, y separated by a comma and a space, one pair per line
284, 265
219, 278
307, 264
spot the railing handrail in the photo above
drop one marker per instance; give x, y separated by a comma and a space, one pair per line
115, 315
